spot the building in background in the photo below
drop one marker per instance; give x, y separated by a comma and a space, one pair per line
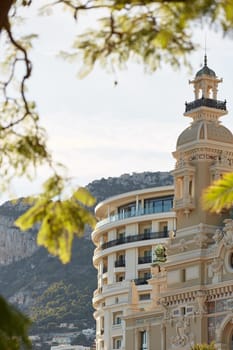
142, 302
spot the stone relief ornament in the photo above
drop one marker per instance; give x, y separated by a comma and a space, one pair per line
217, 236
163, 303
216, 265
200, 303
183, 245
228, 233
201, 239
216, 268
183, 335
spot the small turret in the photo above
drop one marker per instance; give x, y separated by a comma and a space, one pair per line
205, 92
204, 150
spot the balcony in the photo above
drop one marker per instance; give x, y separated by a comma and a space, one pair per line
205, 102
184, 203
144, 260
141, 281
161, 205
134, 238
120, 263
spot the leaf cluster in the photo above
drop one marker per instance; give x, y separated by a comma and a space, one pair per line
219, 196
149, 32
204, 346
59, 219
13, 328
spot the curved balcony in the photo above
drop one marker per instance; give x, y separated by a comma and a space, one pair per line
162, 206
134, 238
206, 102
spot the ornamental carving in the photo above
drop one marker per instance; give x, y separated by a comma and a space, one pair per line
164, 304
201, 239
216, 265
217, 268
217, 236
183, 245
201, 303
183, 335
228, 233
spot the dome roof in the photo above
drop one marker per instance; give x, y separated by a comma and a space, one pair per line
203, 131
205, 70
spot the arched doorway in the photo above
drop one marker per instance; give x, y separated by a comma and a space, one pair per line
227, 336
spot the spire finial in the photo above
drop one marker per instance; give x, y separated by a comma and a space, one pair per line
205, 56
205, 60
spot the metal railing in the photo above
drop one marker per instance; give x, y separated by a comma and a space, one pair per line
120, 263
207, 102
134, 238
140, 281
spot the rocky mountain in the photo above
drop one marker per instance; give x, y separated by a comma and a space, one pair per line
52, 293
105, 188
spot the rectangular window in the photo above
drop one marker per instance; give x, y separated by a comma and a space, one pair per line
127, 211
183, 311
143, 340
117, 317
117, 343
120, 277
145, 296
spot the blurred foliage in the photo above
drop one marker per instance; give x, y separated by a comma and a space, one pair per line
60, 220
219, 196
204, 346
149, 32
13, 328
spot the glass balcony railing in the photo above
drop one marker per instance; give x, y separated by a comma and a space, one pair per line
134, 238
159, 207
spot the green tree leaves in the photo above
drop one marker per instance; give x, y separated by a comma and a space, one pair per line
59, 219
219, 196
13, 328
148, 32
204, 346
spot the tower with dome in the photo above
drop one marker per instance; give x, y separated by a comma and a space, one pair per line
188, 294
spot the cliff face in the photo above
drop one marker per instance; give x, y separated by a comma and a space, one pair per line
36, 282
14, 244
111, 186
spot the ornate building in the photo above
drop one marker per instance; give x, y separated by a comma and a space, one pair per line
188, 298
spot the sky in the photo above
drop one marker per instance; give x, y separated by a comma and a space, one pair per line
100, 130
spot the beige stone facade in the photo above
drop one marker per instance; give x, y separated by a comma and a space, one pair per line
189, 298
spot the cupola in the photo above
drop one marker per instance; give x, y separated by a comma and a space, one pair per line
204, 150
